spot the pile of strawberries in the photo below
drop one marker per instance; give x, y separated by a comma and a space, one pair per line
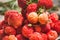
33, 23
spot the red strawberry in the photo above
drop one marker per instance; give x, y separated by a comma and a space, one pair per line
8, 13
32, 17
22, 3
19, 37
57, 26
54, 17
12, 37
32, 7
10, 30
5, 38
52, 35
37, 28
45, 3
1, 34
44, 36
15, 20
43, 18
26, 31
36, 36
46, 28
51, 24
3, 24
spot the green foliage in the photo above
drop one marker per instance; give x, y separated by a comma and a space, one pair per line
10, 5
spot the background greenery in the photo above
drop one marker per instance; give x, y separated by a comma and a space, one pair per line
13, 5
9, 5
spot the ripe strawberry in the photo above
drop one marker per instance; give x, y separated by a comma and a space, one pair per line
54, 17
52, 25
44, 36
5, 38
19, 37
12, 37
8, 13
43, 18
46, 28
37, 28
46, 3
15, 20
33, 17
52, 35
36, 36
26, 31
57, 26
3, 24
32, 7
10, 30
1, 34
22, 3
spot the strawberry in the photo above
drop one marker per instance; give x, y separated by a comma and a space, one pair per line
32, 7
10, 30
12, 37
15, 20
57, 26
26, 31
44, 36
1, 33
46, 28
8, 13
19, 37
36, 36
52, 35
22, 3
46, 3
5, 38
54, 17
3, 24
32, 17
37, 28
43, 18
52, 24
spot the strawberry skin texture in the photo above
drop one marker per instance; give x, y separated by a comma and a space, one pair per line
36, 36
52, 35
5, 38
54, 17
32, 7
22, 3
45, 3
10, 30
8, 13
44, 36
57, 26
15, 20
26, 31
37, 28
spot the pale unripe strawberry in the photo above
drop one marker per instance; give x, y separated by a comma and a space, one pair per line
43, 18
33, 17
